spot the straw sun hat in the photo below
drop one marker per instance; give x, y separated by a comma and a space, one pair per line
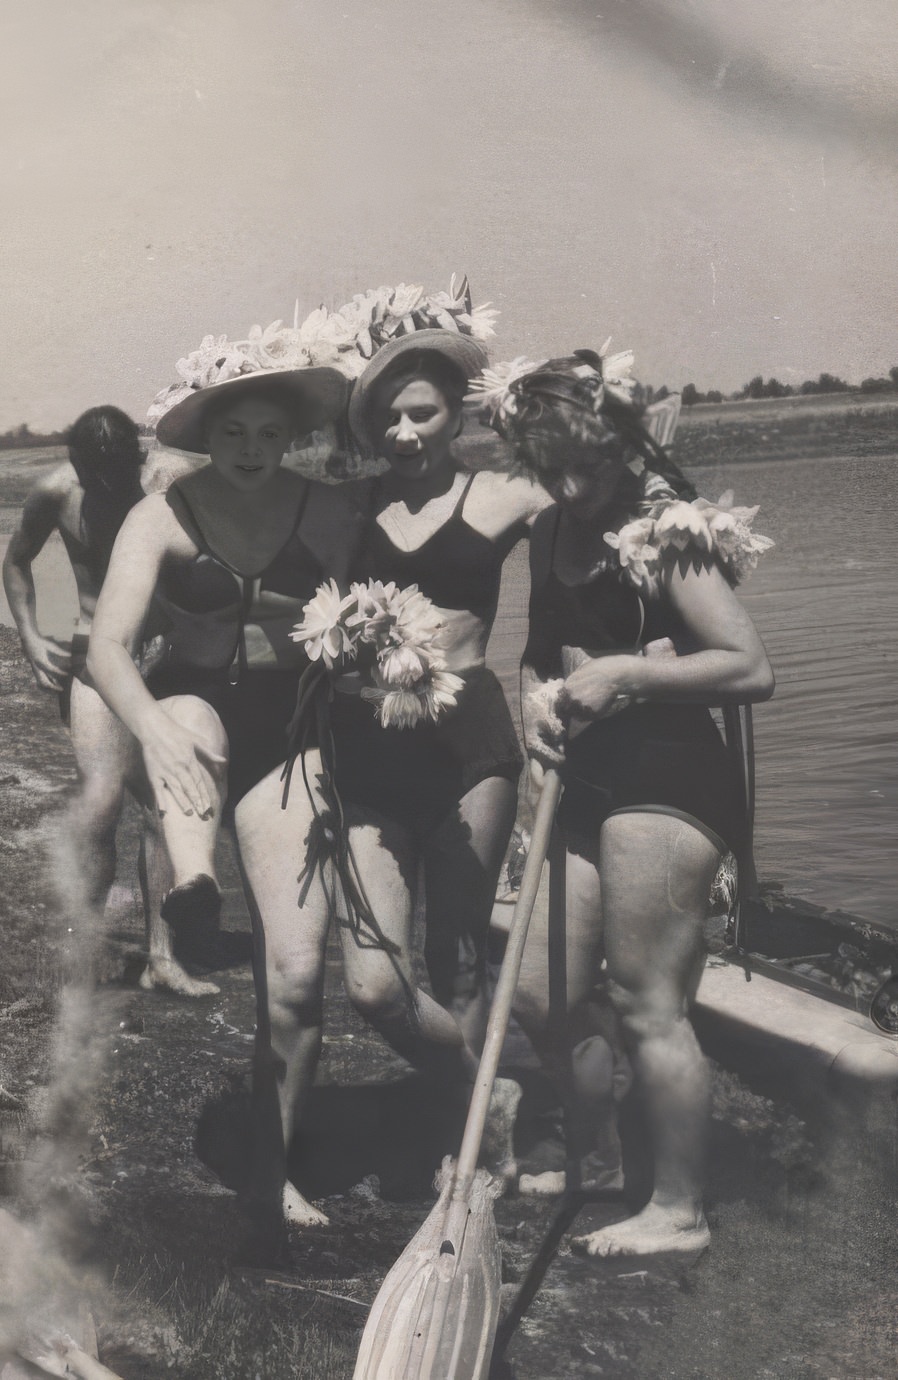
467, 354
314, 396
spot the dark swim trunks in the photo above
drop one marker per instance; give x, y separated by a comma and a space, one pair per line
667, 758
418, 775
254, 714
77, 671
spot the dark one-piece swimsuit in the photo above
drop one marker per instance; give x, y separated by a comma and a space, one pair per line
658, 757
418, 775
206, 602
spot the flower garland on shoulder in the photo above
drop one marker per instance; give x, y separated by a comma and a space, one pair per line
719, 529
401, 629
344, 339
512, 393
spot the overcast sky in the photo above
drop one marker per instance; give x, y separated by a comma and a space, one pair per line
712, 182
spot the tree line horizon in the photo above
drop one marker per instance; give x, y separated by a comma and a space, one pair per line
22, 437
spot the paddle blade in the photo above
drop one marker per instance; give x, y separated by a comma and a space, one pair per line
436, 1313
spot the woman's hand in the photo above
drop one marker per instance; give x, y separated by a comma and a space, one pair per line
51, 662
600, 687
536, 779
178, 768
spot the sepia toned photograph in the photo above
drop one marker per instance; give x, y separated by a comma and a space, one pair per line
448, 650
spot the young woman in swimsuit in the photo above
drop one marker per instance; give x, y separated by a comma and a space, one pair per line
231, 553
651, 798
443, 795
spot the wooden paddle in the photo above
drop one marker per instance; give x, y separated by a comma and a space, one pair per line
436, 1313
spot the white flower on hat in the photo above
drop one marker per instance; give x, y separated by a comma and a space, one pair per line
493, 387
616, 376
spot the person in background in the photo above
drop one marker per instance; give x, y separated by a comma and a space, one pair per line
86, 500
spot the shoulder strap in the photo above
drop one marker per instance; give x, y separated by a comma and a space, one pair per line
457, 510
180, 506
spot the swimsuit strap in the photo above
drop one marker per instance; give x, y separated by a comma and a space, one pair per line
199, 538
240, 662
457, 510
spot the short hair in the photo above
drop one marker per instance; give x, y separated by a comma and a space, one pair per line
428, 366
102, 434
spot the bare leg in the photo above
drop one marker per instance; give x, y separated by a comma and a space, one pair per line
163, 969
290, 952
108, 760
381, 985
190, 839
577, 1046
656, 878
105, 754
462, 862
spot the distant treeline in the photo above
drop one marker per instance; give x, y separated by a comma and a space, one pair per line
772, 388
23, 438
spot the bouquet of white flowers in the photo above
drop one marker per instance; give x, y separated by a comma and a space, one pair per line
401, 631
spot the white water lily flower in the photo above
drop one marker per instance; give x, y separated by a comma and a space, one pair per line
406, 298
166, 399
404, 666
492, 388
376, 610
440, 691
395, 708
545, 731
635, 550
323, 631
616, 369
480, 322
682, 524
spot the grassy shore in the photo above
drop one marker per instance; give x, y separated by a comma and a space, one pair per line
797, 1283
788, 428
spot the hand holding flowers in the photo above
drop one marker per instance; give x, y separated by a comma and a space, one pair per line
400, 629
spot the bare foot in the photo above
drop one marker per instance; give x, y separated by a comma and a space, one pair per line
298, 1212
168, 973
654, 1231
552, 1182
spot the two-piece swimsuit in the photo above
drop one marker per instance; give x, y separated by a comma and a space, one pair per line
208, 606
418, 775
657, 757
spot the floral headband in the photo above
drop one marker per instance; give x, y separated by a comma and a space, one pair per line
583, 379
344, 339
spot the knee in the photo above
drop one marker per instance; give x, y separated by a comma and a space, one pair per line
100, 804
198, 718
295, 989
380, 998
647, 1013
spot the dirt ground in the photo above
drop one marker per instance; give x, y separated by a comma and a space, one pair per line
799, 1282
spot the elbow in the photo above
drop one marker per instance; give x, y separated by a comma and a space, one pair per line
759, 683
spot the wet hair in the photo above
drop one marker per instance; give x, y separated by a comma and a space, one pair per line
556, 423
105, 453
103, 436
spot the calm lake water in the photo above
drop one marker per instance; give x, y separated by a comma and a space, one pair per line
824, 601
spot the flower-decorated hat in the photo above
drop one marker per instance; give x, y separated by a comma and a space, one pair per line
314, 397
304, 358
468, 355
510, 393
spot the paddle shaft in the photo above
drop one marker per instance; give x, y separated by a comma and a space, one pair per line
500, 1011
